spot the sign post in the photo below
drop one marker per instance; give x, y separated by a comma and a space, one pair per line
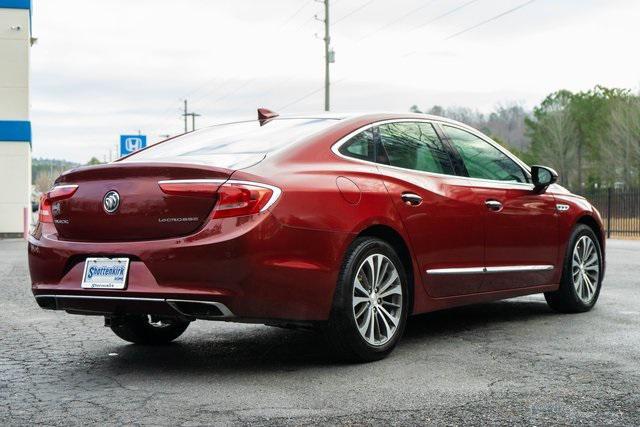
131, 143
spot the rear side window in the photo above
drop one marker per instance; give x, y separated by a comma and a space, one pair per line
415, 145
483, 160
235, 139
359, 146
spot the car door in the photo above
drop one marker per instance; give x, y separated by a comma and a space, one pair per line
436, 206
521, 226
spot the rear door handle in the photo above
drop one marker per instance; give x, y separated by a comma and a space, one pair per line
411, 199
493, 205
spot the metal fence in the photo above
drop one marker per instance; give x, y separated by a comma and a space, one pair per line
620, 210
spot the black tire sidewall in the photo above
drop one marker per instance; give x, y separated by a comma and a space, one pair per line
136, 329
569, 290
342, 313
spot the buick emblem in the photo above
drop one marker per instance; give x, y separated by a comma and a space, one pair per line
111, 201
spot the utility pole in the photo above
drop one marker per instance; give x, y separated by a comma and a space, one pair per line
193, 120
185, 114
193, 115
329, 54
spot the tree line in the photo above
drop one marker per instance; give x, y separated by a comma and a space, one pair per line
592, 138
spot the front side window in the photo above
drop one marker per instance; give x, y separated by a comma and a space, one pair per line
483, 160
414, 145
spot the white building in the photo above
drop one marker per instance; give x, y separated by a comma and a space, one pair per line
15, 127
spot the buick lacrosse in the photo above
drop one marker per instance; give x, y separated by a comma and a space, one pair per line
346, 224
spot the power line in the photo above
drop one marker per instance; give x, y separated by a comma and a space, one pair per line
225, 81
400, 18
486, 21
473, 27
354, 11
296, 13
302, 98
444, 15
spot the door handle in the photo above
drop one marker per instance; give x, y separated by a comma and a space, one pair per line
493, 205
411, 199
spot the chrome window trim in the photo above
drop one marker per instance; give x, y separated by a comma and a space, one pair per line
485, 138
274, 197
338, 144
490, 270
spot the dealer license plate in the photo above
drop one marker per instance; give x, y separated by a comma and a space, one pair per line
105, 273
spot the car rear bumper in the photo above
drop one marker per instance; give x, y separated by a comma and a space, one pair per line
110, 305
233, 269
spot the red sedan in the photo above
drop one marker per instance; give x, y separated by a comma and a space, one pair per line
343, 223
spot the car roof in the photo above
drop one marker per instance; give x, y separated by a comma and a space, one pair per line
373, 117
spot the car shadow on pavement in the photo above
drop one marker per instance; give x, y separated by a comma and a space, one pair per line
267, 349
474, 317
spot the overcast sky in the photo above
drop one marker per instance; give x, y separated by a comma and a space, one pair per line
104, 68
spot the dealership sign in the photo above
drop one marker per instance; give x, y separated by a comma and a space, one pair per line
131, 143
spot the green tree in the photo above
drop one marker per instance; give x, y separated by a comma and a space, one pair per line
94, 161
591, 111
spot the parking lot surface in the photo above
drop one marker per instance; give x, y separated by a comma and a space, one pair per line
513, 361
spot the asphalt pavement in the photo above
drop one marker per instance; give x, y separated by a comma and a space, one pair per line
508, 362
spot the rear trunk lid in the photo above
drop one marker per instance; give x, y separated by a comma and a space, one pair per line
143, 212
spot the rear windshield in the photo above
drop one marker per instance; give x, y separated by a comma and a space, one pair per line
242, 138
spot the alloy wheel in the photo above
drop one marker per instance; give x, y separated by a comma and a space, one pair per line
377, 299
585, 269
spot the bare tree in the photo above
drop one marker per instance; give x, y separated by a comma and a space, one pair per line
620, 151
44, 180
556, 143
506, 122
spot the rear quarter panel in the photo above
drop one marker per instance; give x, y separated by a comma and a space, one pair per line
325, 193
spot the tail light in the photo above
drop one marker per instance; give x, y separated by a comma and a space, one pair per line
235, 198
57, 193
190, 187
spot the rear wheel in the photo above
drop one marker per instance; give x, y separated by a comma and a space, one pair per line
148, 329
582, 274
370, 303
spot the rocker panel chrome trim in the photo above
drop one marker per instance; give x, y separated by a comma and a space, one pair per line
490, 270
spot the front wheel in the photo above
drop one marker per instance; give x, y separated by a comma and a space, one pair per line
582, 274
148, 329
370, 303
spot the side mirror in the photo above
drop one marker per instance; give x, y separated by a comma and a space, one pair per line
542, 177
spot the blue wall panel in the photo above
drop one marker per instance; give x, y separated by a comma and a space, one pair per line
14, 130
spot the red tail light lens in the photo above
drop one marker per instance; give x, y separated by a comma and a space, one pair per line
57, 193
190, 187
235, 198
244, 198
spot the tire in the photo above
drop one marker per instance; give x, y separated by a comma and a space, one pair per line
150, 330
579, 295
388, 309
